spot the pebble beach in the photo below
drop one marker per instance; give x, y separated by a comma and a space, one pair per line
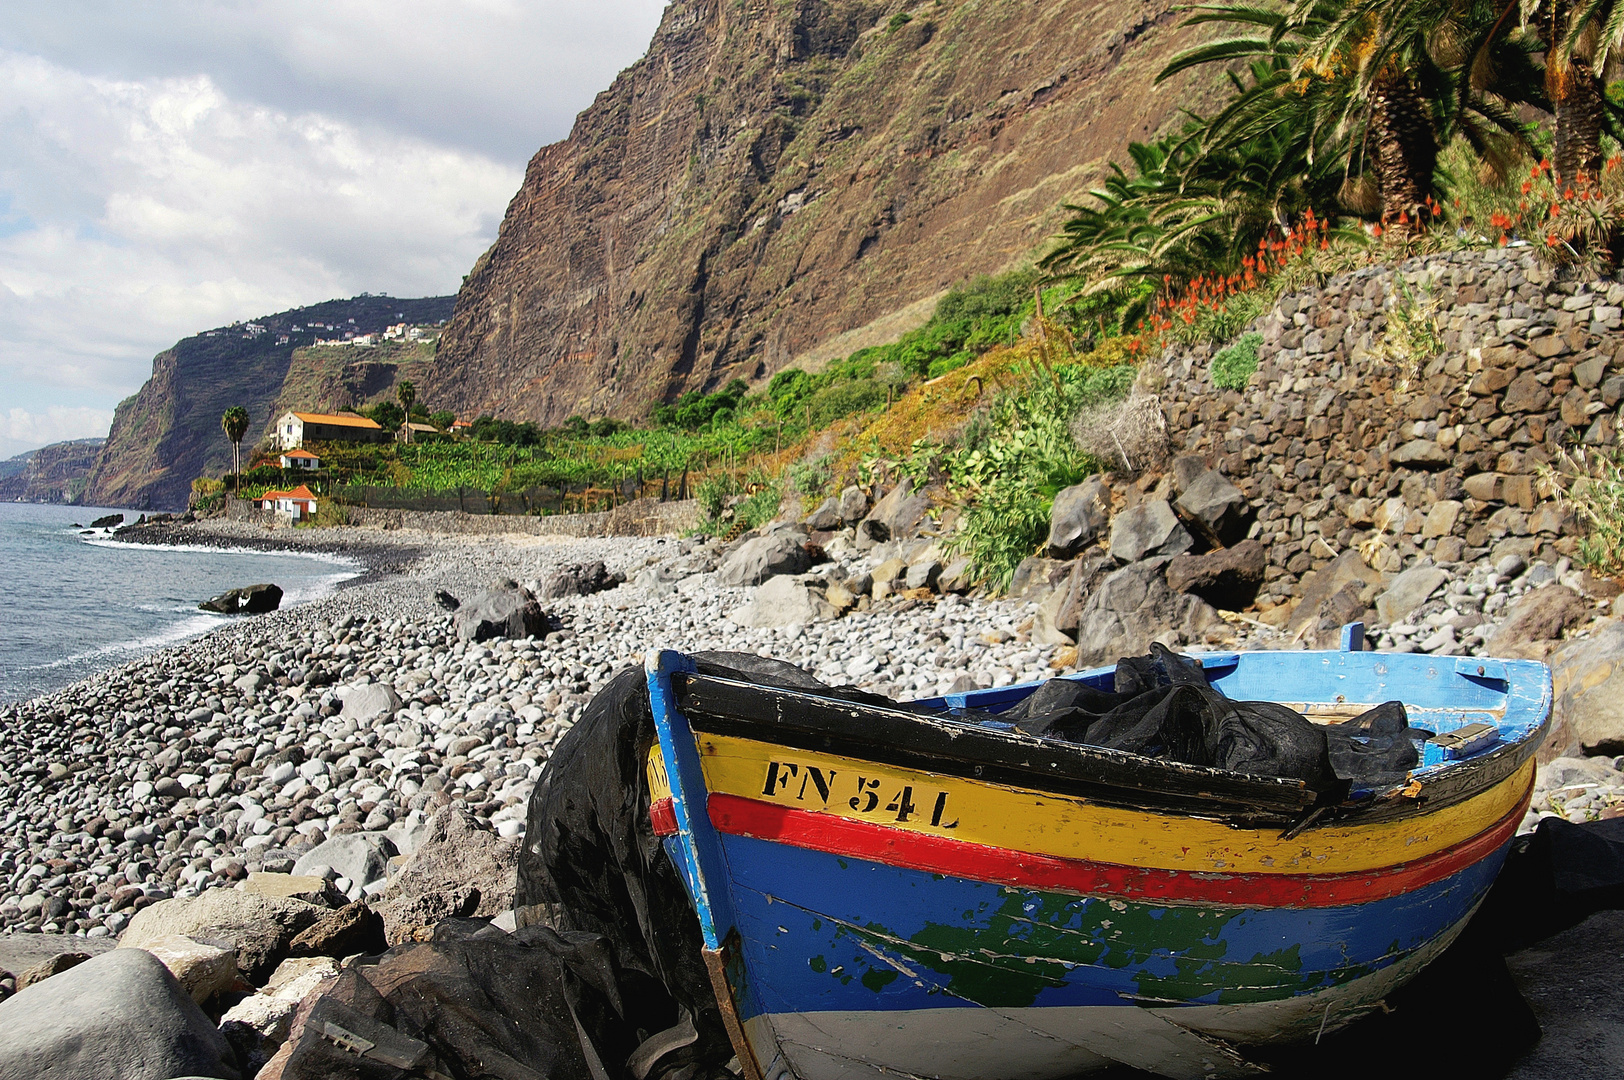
239, 750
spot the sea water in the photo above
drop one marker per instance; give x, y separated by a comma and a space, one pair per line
75, 604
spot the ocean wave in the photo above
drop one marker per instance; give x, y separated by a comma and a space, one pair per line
192, 549
198, 623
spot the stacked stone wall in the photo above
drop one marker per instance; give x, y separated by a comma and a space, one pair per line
1340, 440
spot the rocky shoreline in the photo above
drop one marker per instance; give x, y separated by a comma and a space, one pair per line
244, 749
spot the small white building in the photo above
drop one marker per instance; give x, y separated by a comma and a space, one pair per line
296, 505
300, 459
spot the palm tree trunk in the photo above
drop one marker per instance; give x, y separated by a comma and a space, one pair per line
1406, 149
1577, 100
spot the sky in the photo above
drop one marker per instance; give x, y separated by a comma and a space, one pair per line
169, 166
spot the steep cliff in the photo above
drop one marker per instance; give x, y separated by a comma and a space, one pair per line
781, 180
51, 474
169, 433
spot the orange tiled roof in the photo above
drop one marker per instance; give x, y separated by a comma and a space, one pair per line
300, 492
340, 419
301, 454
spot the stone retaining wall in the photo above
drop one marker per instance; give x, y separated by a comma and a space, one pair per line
1336, 441
640, 517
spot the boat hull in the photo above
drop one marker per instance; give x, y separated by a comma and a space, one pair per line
866, 914
861, 954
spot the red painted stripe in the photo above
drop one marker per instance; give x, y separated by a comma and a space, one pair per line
663, 816
978, 862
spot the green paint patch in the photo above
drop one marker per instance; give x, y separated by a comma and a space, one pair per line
877, 979
818, 964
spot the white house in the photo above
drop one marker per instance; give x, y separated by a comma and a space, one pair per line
300, 459
295, 505
295, 428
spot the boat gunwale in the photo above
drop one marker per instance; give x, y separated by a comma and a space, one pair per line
803, 720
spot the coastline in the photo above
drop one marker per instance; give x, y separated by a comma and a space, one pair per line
239, 750
378, 558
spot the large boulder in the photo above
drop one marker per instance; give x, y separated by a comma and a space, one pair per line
1212, 500
826, 518
459, 869
1148, 530
1080, 514
254, 600
786, 600
363, 857
260, 928
853, 505
258, 1024
581, 579
763, 557
1035, 576
202, 970
505, 609
1587, 684
1409, 591
1227, 578
901, 510
1133, 607
1331, 580
120, 1015
1536, 622
354, 928
369, 702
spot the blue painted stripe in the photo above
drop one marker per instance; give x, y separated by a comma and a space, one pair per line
823, 932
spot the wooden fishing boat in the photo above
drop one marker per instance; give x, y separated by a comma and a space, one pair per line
881, 890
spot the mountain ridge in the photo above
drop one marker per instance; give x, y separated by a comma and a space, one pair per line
771, 176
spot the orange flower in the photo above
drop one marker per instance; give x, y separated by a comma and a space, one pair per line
1527, 187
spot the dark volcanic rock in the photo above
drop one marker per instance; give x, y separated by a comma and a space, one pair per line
254, 600
1148, 530
506, 609
1079, 516
582, 579
1133, 607
762, 557
1228, 578
459, 869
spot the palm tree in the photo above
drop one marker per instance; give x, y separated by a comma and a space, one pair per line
1381, 83
407, 394
234, 421
1579, 34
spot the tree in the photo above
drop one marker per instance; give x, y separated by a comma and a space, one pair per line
1579, 35
234, 421
407, 394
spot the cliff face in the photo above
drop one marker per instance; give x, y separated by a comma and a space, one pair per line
169, 433
51, 474
777, 173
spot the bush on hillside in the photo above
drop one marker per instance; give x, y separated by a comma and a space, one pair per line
1232, 367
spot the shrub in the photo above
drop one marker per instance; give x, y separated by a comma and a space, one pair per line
840, 400
1233, 366
1005, 524
1593, 482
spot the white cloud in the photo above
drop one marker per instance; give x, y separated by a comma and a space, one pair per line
133, 213
501, 77
22, 430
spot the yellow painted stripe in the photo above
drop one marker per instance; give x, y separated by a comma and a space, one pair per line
659, 784
1072, 828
